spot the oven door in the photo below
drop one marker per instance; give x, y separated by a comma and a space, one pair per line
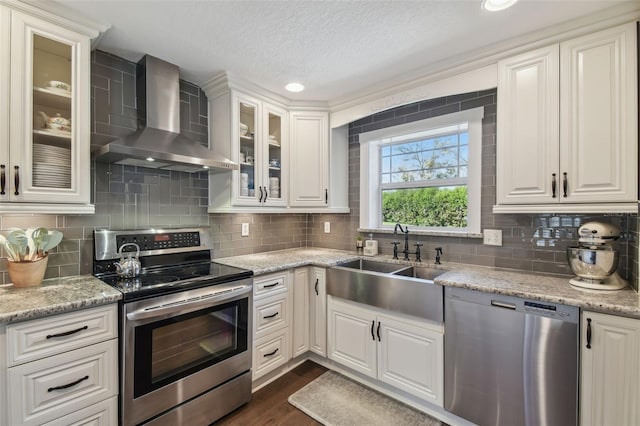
179, 346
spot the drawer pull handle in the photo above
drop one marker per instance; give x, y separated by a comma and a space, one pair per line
373, 324
271, 316
3, 179
270, 285
270, 353
68, 333
588, 333
68, 385
378, 331
317, 282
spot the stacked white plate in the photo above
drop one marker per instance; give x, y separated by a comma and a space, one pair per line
51, 166
274, 187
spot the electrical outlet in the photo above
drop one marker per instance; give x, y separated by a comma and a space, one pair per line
245, 230
492, 237
327, 227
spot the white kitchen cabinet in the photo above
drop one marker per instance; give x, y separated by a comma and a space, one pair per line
45, 71
253, 133
609, 372
300, 324
272, 328
318, 311
404, 352
567, 126
309, 153
310, 164
351, 337
62, 369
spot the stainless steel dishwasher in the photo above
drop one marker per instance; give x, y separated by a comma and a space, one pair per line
510, 361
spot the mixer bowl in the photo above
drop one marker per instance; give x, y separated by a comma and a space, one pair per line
592, 264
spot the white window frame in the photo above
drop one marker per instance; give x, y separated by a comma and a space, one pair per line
370, 187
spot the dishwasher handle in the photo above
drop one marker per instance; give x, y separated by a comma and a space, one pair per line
505, 305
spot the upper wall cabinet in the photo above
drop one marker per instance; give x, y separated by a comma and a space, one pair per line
254, 134
284, 154
567, 130
310, 157
44, 139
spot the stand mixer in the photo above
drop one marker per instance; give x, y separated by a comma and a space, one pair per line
595, 260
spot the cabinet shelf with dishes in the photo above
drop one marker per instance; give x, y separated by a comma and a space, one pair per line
45, 113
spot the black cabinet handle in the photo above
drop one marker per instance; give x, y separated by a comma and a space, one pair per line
68, 385
270, 285
378, 331
326, 196
261, 194
373, 324
67, 333
270, 353
16, 180
317, 281
588, 333
271, 316
565, 184
3, 179
553, 185
265, 194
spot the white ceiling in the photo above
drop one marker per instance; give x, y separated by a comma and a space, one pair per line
335, 48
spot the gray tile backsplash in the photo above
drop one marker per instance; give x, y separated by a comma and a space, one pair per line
534, 243
132, 197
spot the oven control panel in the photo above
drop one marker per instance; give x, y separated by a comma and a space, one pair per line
162, 241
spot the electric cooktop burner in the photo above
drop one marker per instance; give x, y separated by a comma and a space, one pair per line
171, 260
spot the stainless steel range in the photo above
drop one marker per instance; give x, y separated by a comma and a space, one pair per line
185, 326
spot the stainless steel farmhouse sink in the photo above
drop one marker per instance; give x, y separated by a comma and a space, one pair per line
399, 288
373, 266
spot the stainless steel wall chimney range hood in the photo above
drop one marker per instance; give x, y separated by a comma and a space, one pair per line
157, 143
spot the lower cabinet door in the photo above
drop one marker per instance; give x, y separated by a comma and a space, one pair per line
47, 389
352, 340
610, 371
411, 357
270, 352
318, 311
104, 413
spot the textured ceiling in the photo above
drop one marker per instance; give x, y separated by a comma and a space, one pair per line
335, 48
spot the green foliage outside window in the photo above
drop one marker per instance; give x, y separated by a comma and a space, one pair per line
426, 207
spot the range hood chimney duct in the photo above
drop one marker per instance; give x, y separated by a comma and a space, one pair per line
158, 143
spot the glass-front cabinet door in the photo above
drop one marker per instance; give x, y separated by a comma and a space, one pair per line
260, 135
48, 158
246, 132
274, 161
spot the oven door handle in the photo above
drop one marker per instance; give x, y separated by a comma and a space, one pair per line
195, 302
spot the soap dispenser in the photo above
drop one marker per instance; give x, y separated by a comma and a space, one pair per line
370, 246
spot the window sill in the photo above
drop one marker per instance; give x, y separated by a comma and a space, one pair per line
456, 234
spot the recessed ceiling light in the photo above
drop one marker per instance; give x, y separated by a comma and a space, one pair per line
495, 5
150, 159
294, 87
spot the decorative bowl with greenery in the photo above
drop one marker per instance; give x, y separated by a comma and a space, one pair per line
27, 251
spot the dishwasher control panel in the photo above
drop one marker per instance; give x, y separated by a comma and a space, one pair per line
512, 303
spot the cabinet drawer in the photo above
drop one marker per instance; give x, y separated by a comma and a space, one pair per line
271, 315
104, 413
270, 353
270, 285
50, 388
40, 338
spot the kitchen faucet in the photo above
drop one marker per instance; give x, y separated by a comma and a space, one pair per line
406, 251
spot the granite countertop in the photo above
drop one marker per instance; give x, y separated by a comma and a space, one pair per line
54, 296
537, 286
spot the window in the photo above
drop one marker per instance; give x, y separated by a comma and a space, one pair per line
425, 174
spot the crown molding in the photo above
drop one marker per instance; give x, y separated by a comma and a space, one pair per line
223, 82
58, 14
478, 58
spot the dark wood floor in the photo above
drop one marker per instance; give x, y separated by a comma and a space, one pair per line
269, 405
